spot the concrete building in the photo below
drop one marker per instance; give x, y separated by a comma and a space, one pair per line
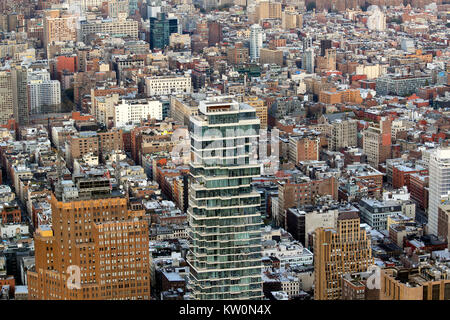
377, 142
260, 107
376, 213
371, 71
165, 85
426, 283
59, 26
289, 254
303, 148
44, 93
182, 107
291, 19
268, 56
401, 85
116, 8
112, 27
102, 107
21, 97
134, 111
183, 40
343, 134
301, 223
377, 20
58, 247
268, 10
256, 41
14, 95
408, 45
308, 60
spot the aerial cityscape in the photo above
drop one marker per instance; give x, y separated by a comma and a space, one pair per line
197, 150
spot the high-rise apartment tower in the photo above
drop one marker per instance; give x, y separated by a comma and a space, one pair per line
439, 182
256, 41
224, 216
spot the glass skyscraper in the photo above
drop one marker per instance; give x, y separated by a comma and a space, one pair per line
161, 28
224, 217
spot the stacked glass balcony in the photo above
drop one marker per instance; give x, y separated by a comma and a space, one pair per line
224, 217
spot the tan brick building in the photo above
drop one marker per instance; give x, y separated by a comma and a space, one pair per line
377, 142
101, 236
444, 221
238, 54
339, 251
303, 148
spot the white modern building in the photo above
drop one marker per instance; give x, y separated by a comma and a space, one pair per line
407, 45
256, 41
224, 218
165, 85
43, 92
12, 230
292, 254
308, 60
439, 185
377, 20
133, 111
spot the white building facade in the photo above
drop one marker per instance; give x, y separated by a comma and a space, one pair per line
133, 111
165, 85
377, 20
